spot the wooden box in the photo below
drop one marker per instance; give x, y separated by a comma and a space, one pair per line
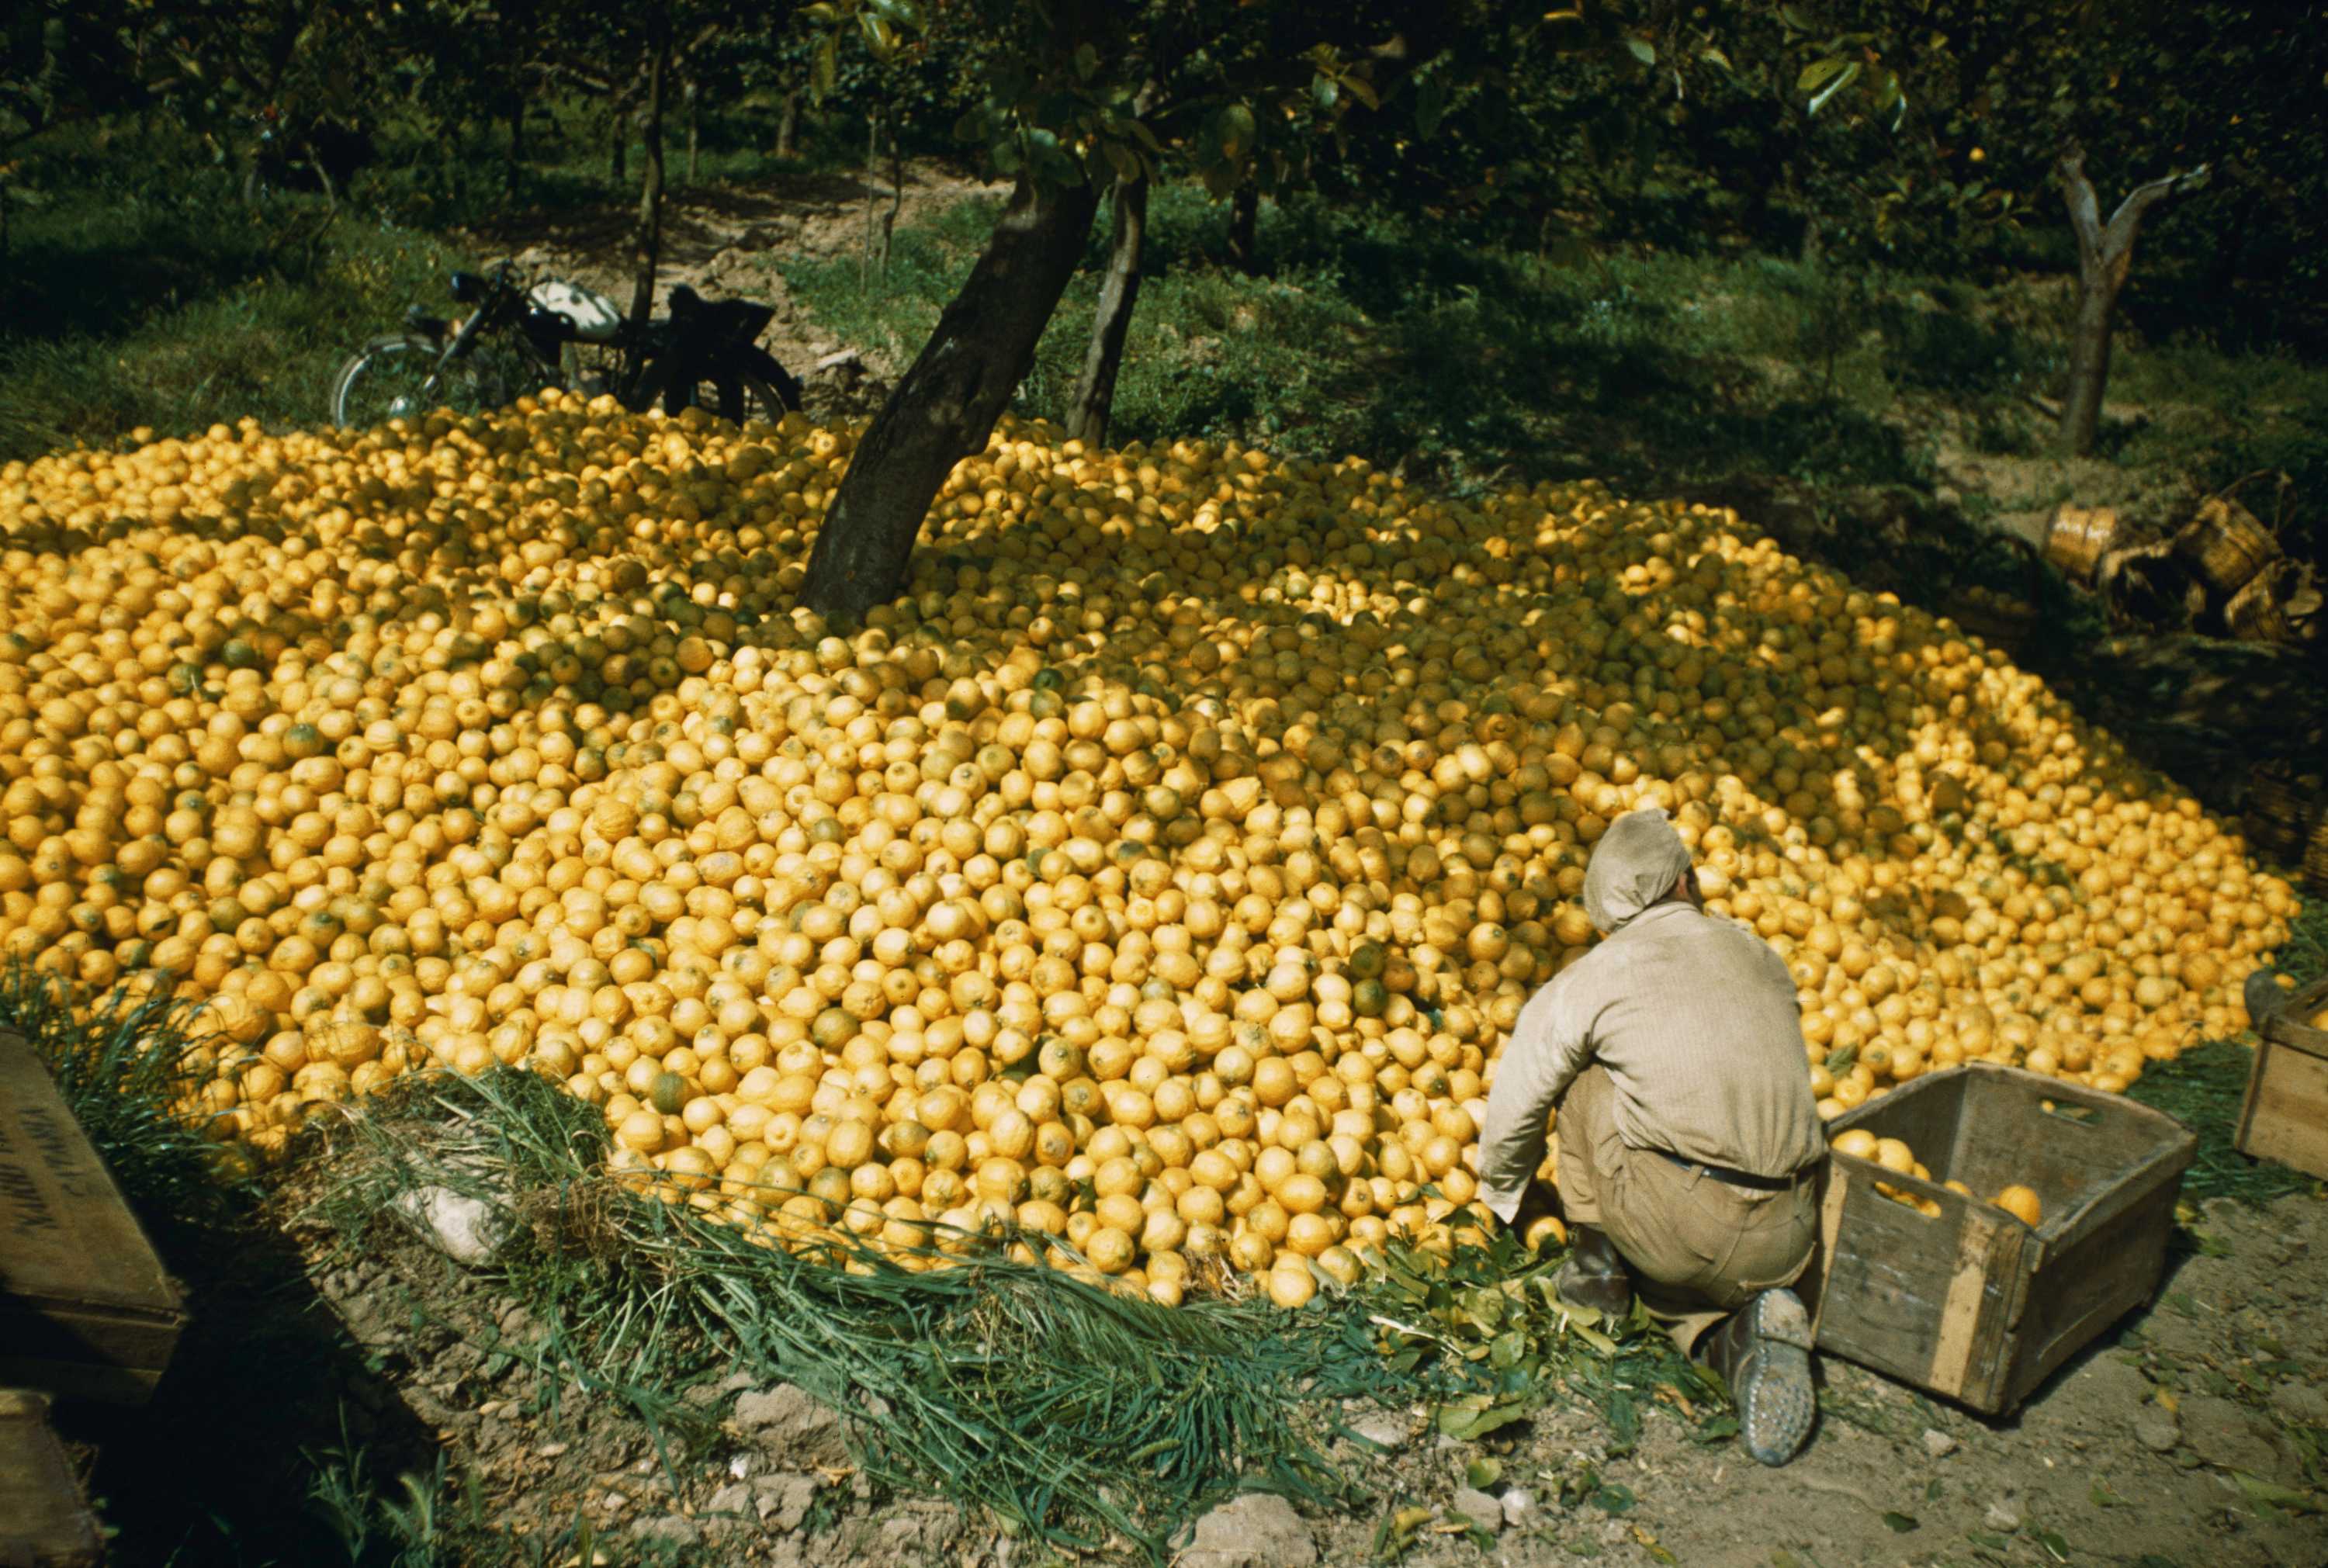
86, 1311
1972, 1304
2285, 1115
44, 1523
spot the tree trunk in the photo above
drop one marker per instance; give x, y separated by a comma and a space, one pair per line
1094, 398
649, 250
2105, 254
694, 126
787, 124
896, 197
945, 407
1244, 217
618, 143
2090, 358
516, 140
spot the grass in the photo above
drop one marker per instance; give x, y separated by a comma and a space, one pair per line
1073, 1413
1662, 373
122, 1068
139, 289
159, 299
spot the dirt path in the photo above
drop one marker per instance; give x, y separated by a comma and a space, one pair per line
2191, 1436
2163, 1446
723, 240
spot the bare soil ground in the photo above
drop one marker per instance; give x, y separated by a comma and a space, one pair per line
2193, 1434
725, 240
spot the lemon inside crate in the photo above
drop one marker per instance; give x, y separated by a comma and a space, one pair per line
1161, 873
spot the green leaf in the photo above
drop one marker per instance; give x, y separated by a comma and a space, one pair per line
1431, 100
1359, 88
1716, 57
1850, 74
1642, 50
1087, 61
1325, 90
1123, 160
1482, 1472
823, 68
1841, 1060
2256, 1489
1235, 130
879, 37
1613, 1498
971, 127
1899, 1524
1817, 74
822, 14
2051, 1543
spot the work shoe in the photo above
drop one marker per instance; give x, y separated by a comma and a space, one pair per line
1764, 1351
1594, 1275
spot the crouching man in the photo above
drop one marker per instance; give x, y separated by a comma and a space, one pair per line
1688, 1138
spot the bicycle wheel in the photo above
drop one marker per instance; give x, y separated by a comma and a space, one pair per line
391, 380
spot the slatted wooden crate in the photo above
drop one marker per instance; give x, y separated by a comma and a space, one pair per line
44, 1523
2285, 1116
85, 1309
1974, 1305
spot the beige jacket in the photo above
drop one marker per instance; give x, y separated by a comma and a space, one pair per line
1695, 1018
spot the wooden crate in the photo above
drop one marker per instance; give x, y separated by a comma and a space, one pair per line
2285, 1116
1974, 1305
85, 1307
44, 1523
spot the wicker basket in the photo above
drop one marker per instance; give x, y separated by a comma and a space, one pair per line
2225, 545
2279, 811
2258, 612
2078, 537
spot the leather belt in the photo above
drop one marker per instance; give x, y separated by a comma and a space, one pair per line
1742, 1178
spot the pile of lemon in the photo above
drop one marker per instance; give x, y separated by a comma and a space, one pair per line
1162, 871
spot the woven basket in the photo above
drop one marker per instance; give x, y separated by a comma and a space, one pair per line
2078, 537
2279, 812
2225, 545
2258, 610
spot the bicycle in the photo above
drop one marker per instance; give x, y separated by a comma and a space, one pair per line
518, 340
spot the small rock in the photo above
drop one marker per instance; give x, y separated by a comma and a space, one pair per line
2005, 1514
615, 1502
2115, 1385
1519, 1506
1938, 1443
733, 1499
2156, 1431
840, 358
2221, 1434
672, 1530
1258, 1530
468, 1230
1385, 1429
1475, 1506
787, 1421
2300, 1402
782, 1501
1616, 1533
551, 1450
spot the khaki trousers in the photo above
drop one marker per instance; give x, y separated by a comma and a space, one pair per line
1700, 1247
